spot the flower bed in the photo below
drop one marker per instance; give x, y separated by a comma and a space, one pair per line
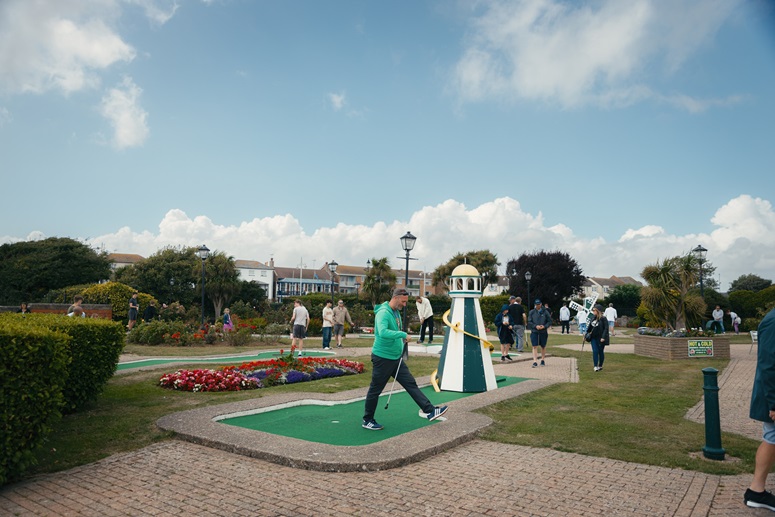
286, 369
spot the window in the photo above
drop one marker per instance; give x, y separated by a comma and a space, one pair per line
251, 273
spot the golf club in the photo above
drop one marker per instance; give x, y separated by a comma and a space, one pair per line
394, 381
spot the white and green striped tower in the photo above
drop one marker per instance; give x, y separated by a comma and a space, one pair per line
465, 365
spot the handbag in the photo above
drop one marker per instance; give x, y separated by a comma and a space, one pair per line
588, 337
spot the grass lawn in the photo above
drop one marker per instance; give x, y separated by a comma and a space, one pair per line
633, 412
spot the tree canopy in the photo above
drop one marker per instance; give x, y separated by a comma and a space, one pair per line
626, 299
670, 296
30, 269
169, 275
751, 282
556, 276
379, 281
221, 280
483, 260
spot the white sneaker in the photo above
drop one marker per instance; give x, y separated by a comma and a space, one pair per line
597, 368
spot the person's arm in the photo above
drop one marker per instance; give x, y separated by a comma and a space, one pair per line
382, 327
604, 334
349, 319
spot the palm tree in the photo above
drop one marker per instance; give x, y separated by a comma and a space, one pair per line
667, 296
222, 280
379, 281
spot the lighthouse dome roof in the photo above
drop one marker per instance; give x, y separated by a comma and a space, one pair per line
465, 270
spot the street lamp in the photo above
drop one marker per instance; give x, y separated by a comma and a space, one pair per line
203, 253
528, 276
699, 253
407, 243
332, 267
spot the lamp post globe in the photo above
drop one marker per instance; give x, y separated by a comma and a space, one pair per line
203, 253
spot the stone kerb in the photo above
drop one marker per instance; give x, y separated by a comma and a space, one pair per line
674, 348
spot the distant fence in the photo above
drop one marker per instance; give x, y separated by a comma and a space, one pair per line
92, 310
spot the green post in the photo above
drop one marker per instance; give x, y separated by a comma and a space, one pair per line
712, 449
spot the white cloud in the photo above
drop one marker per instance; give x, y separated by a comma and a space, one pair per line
337, 100
121, 107
58, 45
573, 54
744, 241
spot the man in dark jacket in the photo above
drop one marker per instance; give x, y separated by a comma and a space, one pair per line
763, 409
538, 322
518, 320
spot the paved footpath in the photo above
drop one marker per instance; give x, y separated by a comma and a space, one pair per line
475, 479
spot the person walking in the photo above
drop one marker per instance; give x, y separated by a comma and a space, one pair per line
598, 336
505, 331
718, 320
564, 319
340, 315
328, 324
763, 410
611, 315
518, 320
538, 322
134, 309
386, 360
300, 321
425, 313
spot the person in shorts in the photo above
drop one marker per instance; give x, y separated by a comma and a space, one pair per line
300, 321
539, 321
763, 410
340, 315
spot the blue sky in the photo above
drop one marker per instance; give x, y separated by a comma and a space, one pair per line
620, 132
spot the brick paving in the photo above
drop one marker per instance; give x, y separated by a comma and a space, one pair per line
476, 478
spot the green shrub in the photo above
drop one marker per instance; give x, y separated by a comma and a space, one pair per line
238, 337
33, 372
94, 352
117, 295
161, 332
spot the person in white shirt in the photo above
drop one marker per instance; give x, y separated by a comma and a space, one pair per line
328, 324
718, 319
300, 321
611, 315
425, 313
564, 319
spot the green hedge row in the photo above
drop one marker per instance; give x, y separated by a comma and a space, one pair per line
33, 372
49, 364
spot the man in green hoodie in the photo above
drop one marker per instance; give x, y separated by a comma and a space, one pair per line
386, 361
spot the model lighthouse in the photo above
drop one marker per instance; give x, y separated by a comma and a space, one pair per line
465, 364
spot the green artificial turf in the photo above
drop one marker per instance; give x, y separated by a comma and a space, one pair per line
340, 423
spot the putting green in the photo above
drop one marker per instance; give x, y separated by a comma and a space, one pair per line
234, 359
340, 423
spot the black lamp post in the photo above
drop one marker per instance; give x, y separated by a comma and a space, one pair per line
203, 253
332, 267
407, 243
358, 290
699, 253
528, 276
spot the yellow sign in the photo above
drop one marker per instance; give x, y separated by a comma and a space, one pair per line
700, 348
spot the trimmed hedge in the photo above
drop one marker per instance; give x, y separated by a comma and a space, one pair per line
33, 372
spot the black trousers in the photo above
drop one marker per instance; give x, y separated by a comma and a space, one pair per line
564, 326
382, 370
428, 323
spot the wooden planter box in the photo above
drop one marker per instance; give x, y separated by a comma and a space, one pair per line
673, 348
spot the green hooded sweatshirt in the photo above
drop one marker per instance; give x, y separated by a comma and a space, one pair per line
388, 336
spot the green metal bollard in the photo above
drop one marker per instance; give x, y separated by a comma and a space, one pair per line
712, 449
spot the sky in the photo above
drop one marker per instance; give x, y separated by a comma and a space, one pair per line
622, 133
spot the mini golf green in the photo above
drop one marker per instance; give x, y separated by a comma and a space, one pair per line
234, 359
340, 423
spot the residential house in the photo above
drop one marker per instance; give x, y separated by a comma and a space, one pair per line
602, 286
298, 281
254, 271
119, 260
497, 288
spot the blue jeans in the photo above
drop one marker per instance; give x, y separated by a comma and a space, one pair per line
519, 337
598, 352
382, 370
327, 336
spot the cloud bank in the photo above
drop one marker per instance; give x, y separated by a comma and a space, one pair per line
743, 241
573, 54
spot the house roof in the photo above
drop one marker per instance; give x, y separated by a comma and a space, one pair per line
125, 258
250, 264
309, 274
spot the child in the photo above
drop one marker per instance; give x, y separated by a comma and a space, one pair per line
505, 334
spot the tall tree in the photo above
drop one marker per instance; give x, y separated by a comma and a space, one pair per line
483, 260
221, 280
626, 299
670, 296
752, 283
169, 275
379, 281
556, 276
30, 269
